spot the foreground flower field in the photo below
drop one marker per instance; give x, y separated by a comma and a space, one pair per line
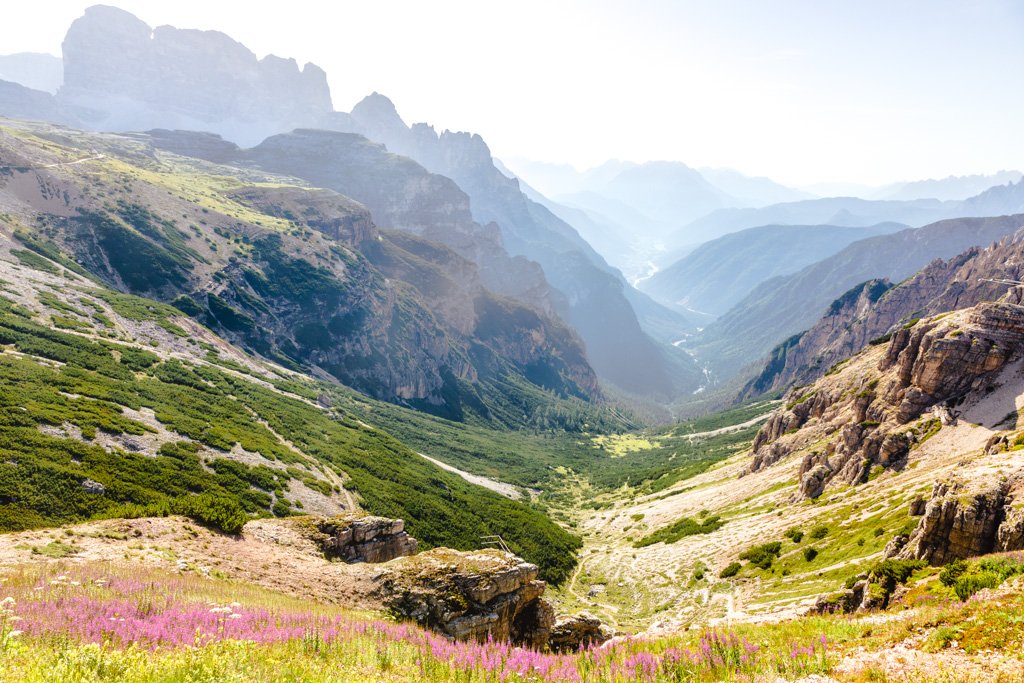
107, 623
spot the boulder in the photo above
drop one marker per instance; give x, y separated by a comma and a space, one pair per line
469, 595
359, 538
575, 632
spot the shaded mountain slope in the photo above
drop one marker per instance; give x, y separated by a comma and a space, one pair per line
281, 271
617, 346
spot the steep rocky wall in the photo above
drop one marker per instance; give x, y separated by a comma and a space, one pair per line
861, 415
966, 519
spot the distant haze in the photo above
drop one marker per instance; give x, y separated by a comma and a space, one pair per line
803, 92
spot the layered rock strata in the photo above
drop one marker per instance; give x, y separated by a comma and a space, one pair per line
876, 410
470, 595
360, 538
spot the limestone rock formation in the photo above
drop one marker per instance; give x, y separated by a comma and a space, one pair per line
966, 519
120, 74
873, 411
469, 596
580, 630
359, 538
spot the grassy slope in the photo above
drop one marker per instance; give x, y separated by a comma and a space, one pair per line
274, 637
62, 388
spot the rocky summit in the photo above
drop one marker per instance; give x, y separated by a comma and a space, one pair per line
121, 74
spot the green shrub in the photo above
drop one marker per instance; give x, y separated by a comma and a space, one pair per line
762, 556
680, 529
217, 512
819, 532
794, 534
731, 570
810, 554
952, 571
969, 584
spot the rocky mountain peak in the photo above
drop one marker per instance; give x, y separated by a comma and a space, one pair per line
121, 74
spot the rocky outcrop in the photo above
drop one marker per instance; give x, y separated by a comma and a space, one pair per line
359, 538
120, 74
861, 415
581, 630
469, 596
966, 519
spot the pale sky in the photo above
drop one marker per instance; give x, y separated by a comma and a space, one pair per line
803, 91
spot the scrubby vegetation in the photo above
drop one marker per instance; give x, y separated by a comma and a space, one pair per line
681, 529
42, 471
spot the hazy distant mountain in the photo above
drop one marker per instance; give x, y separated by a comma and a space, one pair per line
841, 211
19, 102
718, 274
670, 192
33, 70
549, 179
752, 191
953, 187
608, 238
841, 189
120, 74
784, 306
1001, 199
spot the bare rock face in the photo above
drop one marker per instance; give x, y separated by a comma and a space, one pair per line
864, 414
120, 74
470, 595
359, 538
968, 519
960, 521
582, 630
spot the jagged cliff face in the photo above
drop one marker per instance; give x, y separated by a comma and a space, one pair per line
120, 74
300, 276
872, 411
875, 308
966, 519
